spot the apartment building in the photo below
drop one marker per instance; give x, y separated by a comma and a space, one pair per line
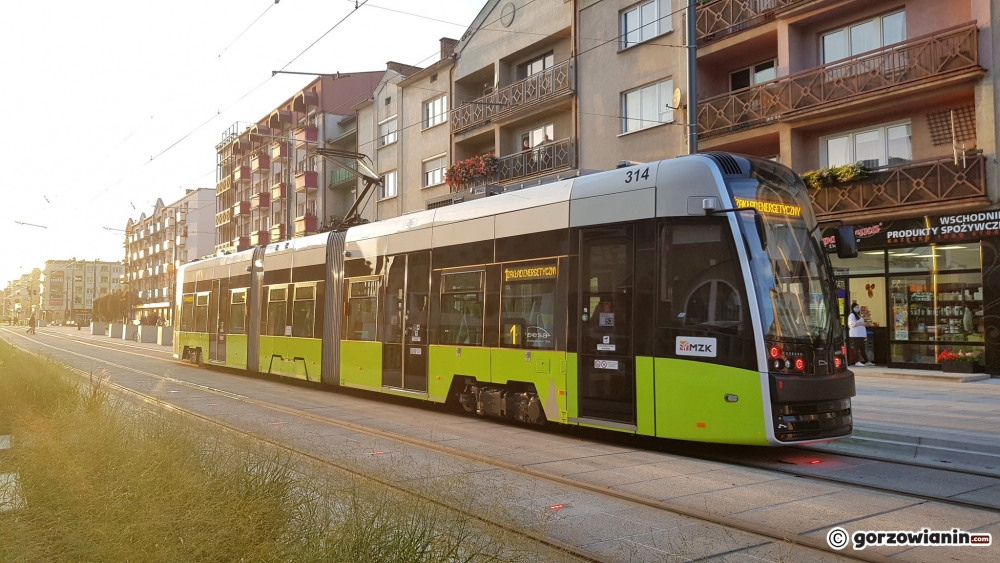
392, 133
157, 244
69, 288
22, 296
906, 90
270, 184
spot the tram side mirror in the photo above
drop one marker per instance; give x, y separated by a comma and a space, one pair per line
847, 245
758, 220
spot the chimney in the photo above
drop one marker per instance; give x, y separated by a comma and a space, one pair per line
448, 47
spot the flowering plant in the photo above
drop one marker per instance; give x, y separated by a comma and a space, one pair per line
948, 356
465, 171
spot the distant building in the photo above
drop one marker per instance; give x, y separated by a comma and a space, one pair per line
68, 288
157, 244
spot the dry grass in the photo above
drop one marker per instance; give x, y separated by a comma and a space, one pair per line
105, 480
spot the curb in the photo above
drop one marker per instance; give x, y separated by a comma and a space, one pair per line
931, 376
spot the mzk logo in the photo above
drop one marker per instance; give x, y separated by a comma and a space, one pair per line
692, 346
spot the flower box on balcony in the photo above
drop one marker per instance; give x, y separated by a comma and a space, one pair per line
260, 162
260, 238
306, 134
305, 224
279, 152
259, 200
278, 231
278, 191
305, 181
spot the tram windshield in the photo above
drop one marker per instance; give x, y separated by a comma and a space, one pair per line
793, 285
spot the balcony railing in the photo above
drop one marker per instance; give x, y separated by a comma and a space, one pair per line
539, 87
223, 217
541, 160
933, 181
722, 18
908, 62
341, 176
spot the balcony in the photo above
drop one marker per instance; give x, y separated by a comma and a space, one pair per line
241, 243
938, 183
279, 152
551, 83
305, 224
539, 161
930, 58
306, 134
241, 208
260, 200
340, 176
182, 216
278, 191
260, 238
260, 163
306, 181
278, 231
241, 175
722, 18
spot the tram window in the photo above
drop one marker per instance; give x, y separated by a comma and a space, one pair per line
701, 282
276, 306
237, 312
187, 313
304, 311
461, 319
361, 310
201, 313
527, 308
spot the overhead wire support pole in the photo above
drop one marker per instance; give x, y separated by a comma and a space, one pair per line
692, 105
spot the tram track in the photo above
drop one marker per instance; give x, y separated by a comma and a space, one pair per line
772, 534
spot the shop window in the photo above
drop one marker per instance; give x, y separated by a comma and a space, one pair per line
963, 256
746, 77
886, 145
527, 305
304, 311
864, 36
237, 312
362, 307
461, 320
936, 312
201, 312
187, 312
276, 307
869, 262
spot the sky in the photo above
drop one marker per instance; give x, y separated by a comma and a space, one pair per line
96, 94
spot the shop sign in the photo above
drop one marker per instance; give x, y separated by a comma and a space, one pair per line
921, 230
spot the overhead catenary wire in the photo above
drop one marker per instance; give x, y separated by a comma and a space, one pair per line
275, 3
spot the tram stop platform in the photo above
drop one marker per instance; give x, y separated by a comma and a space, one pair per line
926, 416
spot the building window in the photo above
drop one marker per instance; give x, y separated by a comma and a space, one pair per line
645, 21
886, 145
435, 112
387, 132
434, 170
746, 77
647, 106
535, 66
864, 36
388, 187
537, 136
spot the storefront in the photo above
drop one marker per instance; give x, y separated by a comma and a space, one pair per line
925, 286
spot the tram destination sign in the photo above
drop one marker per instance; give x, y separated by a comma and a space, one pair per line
922, 230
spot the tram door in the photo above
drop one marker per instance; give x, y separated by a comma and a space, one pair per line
607, 368
407, 297
217, 313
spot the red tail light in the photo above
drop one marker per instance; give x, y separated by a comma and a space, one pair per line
774, 352
843, 350
837, 363
800, 364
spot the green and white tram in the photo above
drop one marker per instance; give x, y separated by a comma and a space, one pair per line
687, 299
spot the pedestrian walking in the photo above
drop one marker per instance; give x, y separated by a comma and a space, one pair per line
859, 335
31, 324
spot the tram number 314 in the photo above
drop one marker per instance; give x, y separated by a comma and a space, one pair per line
634, 175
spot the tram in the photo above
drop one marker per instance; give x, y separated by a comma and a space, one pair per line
686, 299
